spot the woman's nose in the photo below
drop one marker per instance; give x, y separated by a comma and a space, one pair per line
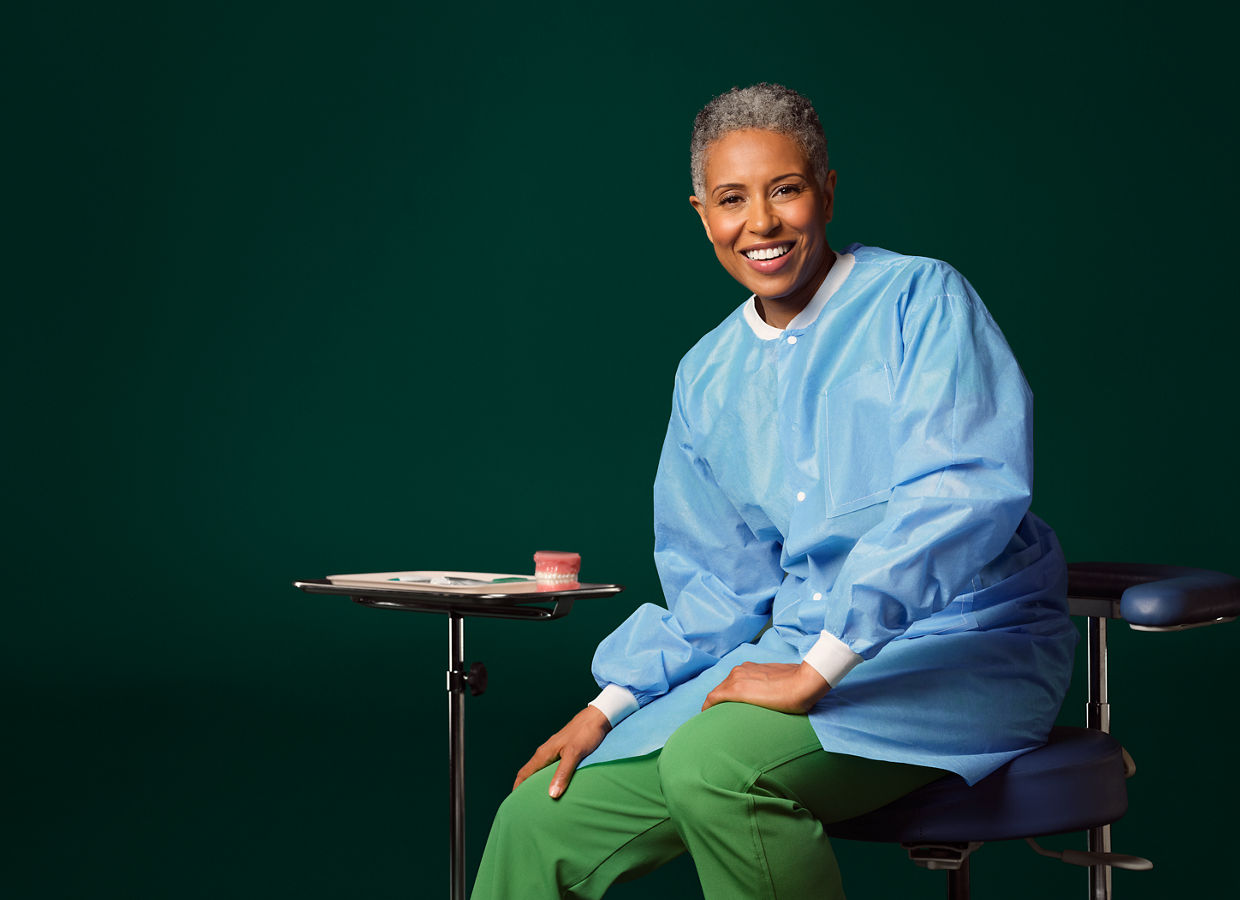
762, 219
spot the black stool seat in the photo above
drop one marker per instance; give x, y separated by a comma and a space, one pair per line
1075, 781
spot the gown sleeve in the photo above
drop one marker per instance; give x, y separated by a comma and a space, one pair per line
718, 578
961, 448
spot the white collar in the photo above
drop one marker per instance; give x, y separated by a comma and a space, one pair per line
839, 271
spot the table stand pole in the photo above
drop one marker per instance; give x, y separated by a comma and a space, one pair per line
456, 754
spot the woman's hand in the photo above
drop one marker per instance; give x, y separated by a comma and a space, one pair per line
570, 745
779, 686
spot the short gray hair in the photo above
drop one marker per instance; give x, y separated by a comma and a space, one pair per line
768, 107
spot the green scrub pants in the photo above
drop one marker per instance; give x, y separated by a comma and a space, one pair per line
745, 790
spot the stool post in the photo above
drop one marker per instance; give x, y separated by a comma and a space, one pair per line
456, 754
959, 881
1098, 717
1098, 707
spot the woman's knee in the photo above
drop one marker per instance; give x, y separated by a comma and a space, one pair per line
524, 807
728, 748
697, 761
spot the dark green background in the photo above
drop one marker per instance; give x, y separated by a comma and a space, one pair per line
298, 289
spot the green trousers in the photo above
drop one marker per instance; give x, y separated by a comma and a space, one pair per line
743, 789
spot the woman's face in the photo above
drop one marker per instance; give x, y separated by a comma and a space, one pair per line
765, 214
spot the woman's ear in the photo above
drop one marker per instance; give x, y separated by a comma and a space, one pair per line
828, 196
700, 207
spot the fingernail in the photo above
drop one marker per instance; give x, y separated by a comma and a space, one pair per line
556, 790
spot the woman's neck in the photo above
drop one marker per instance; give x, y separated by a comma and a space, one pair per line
779, 311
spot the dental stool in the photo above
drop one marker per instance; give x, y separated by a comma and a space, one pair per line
1076, 781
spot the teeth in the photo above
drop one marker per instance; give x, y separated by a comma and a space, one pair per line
769, 253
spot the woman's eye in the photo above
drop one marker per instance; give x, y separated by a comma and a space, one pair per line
787, 190
730, 200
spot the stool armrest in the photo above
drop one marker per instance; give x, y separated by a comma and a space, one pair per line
1151, 597
1182, 602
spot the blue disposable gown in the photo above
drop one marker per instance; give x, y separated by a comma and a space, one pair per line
864, 473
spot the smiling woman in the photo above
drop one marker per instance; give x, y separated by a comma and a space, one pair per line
765, 212
848, 460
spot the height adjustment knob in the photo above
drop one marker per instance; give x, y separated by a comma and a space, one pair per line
477, 679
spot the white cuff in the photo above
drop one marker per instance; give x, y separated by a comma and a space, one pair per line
831, 658
616, 703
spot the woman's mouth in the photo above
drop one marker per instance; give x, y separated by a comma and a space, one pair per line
768, 259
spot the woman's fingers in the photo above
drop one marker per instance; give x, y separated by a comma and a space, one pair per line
571, 744
564, 773
777, 686
541, 758
721, 694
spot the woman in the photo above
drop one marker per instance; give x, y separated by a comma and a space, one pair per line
849, 459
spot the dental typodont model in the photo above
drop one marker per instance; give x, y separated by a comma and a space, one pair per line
555, 567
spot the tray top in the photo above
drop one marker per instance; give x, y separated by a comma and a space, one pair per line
521, 600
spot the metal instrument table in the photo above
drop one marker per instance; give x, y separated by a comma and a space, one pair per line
502, 601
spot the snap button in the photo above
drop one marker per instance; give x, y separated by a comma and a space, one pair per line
817, 595
800, 496
792, 339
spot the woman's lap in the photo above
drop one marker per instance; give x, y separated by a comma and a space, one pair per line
620, 819
748, 748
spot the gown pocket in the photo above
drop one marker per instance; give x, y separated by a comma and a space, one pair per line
857, 413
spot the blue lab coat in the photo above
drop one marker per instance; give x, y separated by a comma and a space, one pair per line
864, 473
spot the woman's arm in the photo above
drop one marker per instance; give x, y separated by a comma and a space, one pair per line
718, 578
960, 437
